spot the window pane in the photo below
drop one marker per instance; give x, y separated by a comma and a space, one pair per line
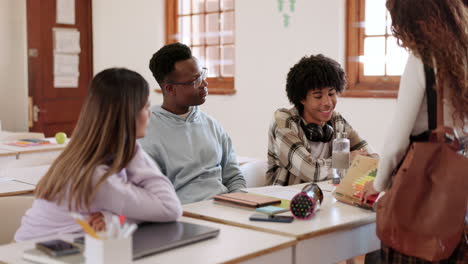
212, 5
227, 4
212, 28
199, 53
227, 61
198, 6
184, 7
375, 17
184, 30
374, 56
198, 29
212, 62
389, 24
396, 57
227, 33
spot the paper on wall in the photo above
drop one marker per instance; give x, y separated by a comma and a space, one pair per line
65, 12
66, 40
66, 64
66, 81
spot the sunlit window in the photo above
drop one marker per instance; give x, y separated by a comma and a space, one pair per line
382, 55
374, 59
207, 26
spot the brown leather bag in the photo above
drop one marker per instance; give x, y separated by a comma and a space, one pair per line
423, 212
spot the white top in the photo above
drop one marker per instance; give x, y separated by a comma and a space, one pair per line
320, 150
410, 119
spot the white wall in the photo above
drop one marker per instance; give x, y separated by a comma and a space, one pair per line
126, 34
13, 65
265, 50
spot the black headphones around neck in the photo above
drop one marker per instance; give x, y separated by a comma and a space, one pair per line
314, 132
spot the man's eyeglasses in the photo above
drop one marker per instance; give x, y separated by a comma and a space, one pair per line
197, 82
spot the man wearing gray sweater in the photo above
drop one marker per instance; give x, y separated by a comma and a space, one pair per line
189, 146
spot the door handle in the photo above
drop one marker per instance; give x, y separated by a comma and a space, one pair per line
36, 111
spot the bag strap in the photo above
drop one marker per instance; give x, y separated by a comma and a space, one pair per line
440, 133
431, 98
440, 107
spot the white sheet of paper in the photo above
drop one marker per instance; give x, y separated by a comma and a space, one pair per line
66, 81
14, 187
66, 64
30, 175
65, 12
66, 40
6, 179
280, 192
326, 186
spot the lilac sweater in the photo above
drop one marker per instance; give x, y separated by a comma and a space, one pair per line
140, 192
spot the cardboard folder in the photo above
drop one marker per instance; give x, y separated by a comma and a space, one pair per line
362, 170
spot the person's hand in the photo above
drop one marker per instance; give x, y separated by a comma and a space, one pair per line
368, 191
96, 221
355, 153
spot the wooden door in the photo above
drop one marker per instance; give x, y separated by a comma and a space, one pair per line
55, 109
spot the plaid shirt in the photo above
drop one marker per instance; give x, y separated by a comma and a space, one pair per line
289, 151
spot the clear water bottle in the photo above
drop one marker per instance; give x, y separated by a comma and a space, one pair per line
340, 155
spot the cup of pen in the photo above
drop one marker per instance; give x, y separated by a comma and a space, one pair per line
304, 204
112, 246
108, 250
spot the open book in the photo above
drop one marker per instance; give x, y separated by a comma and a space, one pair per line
363, 169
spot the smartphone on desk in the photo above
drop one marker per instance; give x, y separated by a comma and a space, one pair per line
57, 248
271, 218
79, 240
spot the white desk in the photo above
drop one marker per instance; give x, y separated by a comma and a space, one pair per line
7, 157
13, 187
18, 181
14, 156
232, 245
337, 232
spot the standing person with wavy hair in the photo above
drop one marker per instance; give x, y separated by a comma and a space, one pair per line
103, 171
436, 34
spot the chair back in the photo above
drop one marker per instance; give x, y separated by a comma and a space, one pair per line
13, 208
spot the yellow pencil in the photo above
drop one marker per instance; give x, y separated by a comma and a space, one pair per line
86, 227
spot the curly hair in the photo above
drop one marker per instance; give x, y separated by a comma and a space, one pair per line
312, 73
436, 31
162, 64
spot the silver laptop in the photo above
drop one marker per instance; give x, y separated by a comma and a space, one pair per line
152, 238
